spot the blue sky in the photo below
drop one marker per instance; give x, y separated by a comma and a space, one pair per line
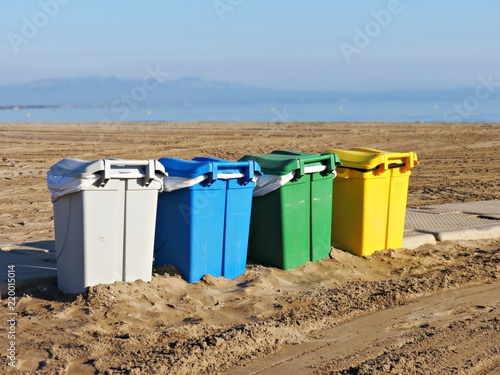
278, 44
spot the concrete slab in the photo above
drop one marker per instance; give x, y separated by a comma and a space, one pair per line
485, 209
457, 221
478, 233
430, 222
414, 239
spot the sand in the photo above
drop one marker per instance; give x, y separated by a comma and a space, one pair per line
434, 309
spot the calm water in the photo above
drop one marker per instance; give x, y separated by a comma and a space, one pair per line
390, 111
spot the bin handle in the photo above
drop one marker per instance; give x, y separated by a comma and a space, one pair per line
409, 160
247, 166
328, 165
150, 174
127, 162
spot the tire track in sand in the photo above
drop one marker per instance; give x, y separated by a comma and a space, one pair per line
371, 334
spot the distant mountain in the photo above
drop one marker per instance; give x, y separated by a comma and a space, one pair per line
94, 91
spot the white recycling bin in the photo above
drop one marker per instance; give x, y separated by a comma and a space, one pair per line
104, 220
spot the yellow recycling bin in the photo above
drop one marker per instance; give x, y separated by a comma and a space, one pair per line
369, 199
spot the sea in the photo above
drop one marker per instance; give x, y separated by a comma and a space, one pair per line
471, 110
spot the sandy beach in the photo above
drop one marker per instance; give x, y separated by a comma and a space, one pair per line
434, 309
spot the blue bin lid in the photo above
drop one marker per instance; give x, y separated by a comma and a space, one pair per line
185, 168
200, 166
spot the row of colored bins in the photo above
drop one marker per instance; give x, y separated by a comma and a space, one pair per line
104, 232
111, 222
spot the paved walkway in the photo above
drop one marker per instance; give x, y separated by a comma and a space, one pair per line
457, 221
36, 264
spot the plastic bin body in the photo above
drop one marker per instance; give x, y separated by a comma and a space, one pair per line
280, 232
189, 230
237, 227
369, 204
105, 233
292, 225
321, 216
203, 229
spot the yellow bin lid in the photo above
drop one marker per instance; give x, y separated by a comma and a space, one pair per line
369, 159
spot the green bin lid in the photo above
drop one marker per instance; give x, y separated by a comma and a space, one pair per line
281, 162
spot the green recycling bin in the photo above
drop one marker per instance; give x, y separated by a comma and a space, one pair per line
292, 208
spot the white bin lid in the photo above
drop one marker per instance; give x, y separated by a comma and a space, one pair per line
72, 167
71, 175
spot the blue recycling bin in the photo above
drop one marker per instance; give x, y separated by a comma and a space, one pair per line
203, 219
